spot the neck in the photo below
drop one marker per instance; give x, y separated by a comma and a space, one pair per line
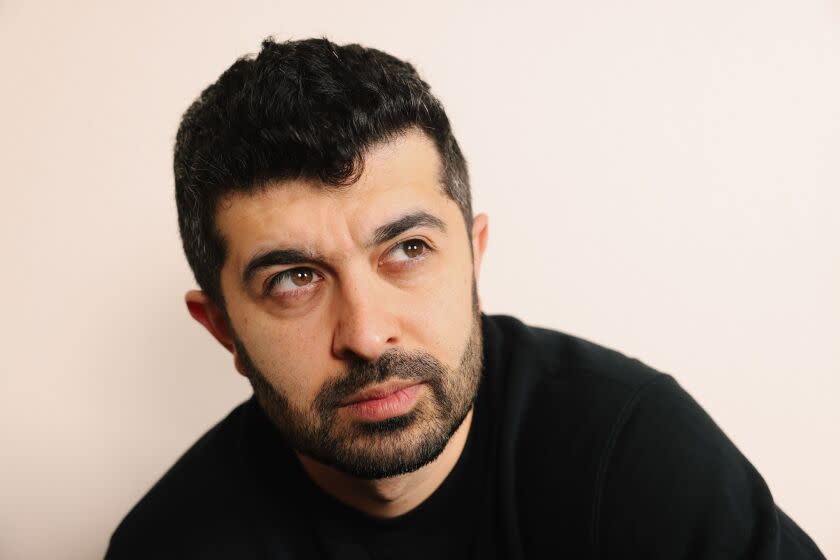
389, 497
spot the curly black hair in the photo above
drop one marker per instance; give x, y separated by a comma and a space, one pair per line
299, 109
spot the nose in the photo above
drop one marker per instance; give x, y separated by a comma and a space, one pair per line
366, 327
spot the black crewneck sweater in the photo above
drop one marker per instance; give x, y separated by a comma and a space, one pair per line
575, 451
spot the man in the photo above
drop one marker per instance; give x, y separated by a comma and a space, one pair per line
324, 207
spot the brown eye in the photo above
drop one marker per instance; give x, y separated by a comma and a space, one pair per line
413, 248
301, 276
292, 282
408, 251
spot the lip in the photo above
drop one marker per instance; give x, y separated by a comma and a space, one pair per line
383, 402
379, 392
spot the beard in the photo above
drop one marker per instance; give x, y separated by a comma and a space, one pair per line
386, 448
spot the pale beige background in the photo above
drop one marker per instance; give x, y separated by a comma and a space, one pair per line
662, 177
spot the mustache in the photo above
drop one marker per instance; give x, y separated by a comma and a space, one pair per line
394, 364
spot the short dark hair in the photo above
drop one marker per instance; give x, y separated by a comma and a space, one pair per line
298, 110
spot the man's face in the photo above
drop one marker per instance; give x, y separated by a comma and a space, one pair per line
354, 311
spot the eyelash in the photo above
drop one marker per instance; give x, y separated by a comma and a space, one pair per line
279, 277
426, 250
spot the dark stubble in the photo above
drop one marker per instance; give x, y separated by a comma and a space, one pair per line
371, 450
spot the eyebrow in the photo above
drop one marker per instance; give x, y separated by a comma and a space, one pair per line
383, 233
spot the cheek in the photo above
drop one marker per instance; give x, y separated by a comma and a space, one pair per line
293, 359
443, 312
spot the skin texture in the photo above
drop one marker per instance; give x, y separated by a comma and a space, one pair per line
366, 315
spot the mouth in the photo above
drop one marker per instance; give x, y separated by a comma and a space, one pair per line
383, 401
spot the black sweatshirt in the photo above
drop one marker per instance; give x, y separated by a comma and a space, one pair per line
575, 451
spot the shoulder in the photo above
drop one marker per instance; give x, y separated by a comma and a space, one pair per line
206, 503
542, 360
557, 401
622, 455
671, 483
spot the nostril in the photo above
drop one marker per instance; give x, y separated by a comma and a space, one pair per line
351, 356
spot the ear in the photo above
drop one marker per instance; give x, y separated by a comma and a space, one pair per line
212, 318
479, 243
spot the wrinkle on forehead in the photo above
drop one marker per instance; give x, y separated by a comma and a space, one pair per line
398, 175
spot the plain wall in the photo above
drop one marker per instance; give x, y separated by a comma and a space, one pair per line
661, 177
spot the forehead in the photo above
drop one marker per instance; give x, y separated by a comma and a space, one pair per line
399, 175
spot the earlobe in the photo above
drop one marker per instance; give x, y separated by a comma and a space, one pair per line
213, 319
237, 362
479, 242
203, 310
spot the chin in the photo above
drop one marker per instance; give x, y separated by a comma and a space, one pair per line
388, 448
